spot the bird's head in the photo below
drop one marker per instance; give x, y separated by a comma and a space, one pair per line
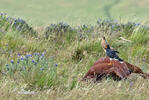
107, 47
103, 37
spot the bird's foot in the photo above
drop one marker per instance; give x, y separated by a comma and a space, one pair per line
110, 63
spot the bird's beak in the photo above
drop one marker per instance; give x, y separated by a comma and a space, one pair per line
106, 47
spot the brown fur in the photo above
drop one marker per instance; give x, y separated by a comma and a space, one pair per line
104, 67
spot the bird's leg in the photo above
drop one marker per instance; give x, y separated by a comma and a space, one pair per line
110, 62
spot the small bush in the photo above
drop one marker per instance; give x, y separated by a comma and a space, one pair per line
57, 29
84, 32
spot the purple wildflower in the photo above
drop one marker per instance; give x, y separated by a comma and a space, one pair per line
14, 22
43, 54
19, 54
29, 55
36, 54
56, 65
113, 26
33, 61
12, 61
115, 21
22, 58
144, 59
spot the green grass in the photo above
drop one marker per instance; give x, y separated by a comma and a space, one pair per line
75, 12
74, 53
73, 48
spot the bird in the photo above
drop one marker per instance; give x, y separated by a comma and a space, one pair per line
104, 44
112, 54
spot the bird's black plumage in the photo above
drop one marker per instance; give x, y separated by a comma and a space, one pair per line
112, 53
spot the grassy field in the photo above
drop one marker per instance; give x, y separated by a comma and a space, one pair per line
75, 12
46, 61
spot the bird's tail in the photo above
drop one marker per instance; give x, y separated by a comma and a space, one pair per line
120, 59
116, 51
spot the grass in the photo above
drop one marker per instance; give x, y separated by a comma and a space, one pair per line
56, 55
68, 52
75, 12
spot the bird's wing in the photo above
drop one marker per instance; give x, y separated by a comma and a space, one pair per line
114, 50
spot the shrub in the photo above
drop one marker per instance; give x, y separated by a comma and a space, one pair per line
84, 32
57, 29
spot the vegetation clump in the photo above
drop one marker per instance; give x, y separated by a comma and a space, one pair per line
15, 24
59, 29
35, 70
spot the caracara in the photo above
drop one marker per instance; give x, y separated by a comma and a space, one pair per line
105, 44
110, 52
